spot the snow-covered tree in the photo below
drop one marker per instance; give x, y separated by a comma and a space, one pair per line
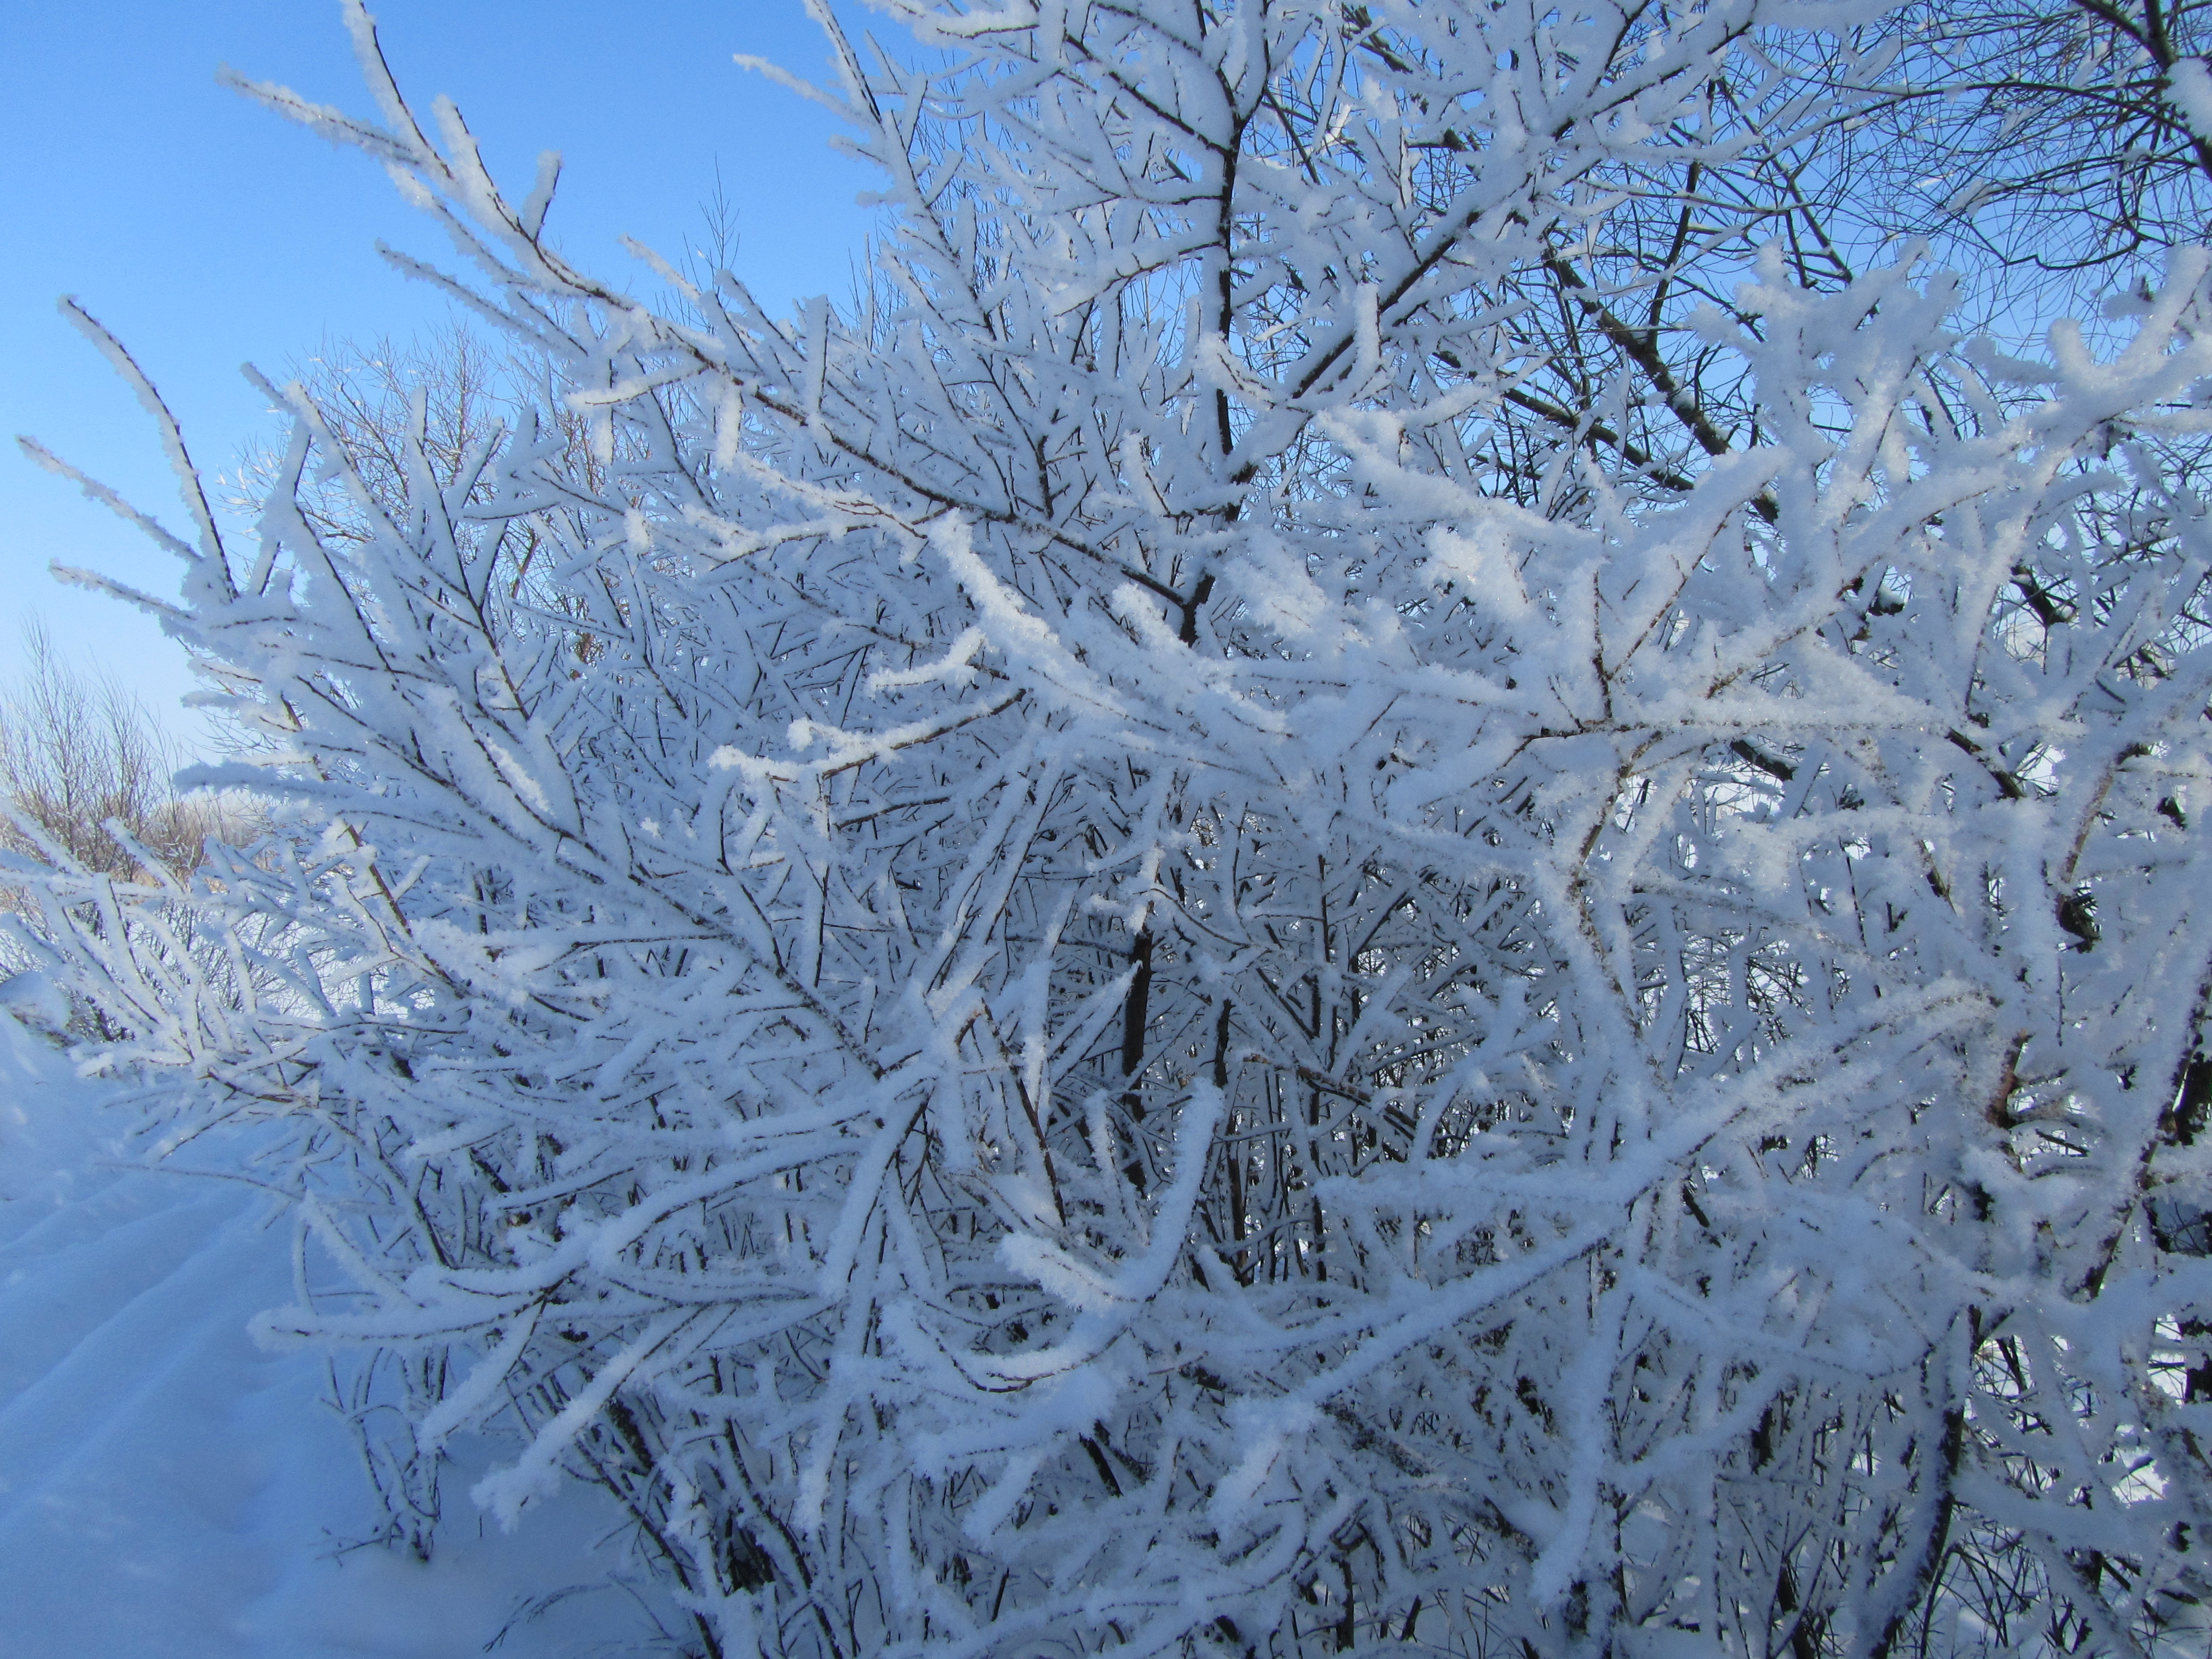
1378, 874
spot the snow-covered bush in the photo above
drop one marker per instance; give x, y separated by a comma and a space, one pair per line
1358, 882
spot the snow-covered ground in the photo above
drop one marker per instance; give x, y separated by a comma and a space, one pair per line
170, 1490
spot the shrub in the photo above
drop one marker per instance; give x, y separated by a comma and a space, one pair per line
1351, 885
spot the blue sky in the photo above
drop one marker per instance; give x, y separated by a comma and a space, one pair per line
207, 232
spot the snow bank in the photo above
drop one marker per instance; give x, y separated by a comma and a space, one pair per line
167, 1489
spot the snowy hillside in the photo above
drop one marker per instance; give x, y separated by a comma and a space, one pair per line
170, 1490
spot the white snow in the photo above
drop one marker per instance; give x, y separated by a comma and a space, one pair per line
168, 1490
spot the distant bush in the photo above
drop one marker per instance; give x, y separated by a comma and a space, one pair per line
79, 758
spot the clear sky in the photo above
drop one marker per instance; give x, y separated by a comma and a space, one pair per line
206, 232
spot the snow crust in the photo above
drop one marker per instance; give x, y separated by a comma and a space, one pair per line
170, 1490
